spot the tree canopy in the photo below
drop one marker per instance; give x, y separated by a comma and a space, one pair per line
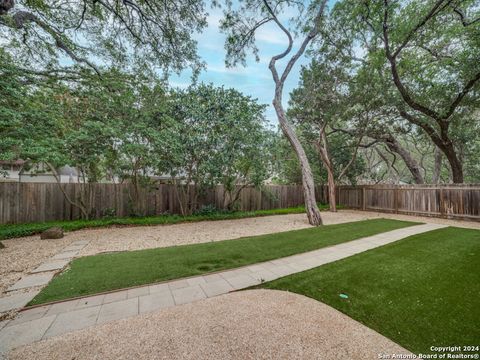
59, 38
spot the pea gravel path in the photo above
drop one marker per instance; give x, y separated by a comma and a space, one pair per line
254, 324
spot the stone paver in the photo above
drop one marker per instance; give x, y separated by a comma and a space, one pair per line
45, 272
212, 278
21, 334
32, 325
118, 310
178, 284
4, 323
65, 255
156, 301
264, 275
73, 320
133, 293
242, 281
216, 288
51, 266
158, 288
32, 281
188, 294
74, 248
282, 270
62, 307
16, 301
115, 296
196, 281
33, 314
90, 301
80, 242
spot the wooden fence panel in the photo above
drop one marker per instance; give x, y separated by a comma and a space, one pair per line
32, 202
459, 201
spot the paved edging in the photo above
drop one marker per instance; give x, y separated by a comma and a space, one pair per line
51, 320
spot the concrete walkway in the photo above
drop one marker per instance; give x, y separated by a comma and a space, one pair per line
46, 321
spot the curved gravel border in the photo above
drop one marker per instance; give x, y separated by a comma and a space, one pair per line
254, 324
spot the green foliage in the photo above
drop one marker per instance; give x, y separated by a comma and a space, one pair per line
124, 128
208, 210
322, 103
137, 36
242, 20
94, 274
407, 282
434, 51
287, 167
350, 80
222, 139
28, 127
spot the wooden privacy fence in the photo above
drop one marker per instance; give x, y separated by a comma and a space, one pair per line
32, 202
460, 201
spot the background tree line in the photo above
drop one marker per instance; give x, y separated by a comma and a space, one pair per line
391, 93
123, 128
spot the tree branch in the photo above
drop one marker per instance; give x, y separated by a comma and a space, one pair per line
20, 18
462, 16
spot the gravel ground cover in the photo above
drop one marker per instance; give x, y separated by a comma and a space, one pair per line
255, 324
22, 255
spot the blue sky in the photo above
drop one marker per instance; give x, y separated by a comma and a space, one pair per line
255, 79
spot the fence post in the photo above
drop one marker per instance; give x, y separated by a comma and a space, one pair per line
395, 199
364, 201
442, 203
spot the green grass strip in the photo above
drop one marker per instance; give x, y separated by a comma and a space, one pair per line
9, 231
94, 274
420, 292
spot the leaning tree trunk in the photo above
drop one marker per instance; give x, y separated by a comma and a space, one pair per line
313, 213
455, 164
332, 190
311, 207
438, 166
409, 161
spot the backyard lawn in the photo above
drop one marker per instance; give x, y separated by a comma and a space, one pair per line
420, 292
94, 274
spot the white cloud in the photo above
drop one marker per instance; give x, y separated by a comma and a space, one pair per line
179, 84
271, 35
249, 72
213, 20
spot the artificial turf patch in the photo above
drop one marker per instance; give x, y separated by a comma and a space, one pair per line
421, 291
94, 274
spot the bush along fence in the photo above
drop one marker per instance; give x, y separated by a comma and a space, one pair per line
38, 202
